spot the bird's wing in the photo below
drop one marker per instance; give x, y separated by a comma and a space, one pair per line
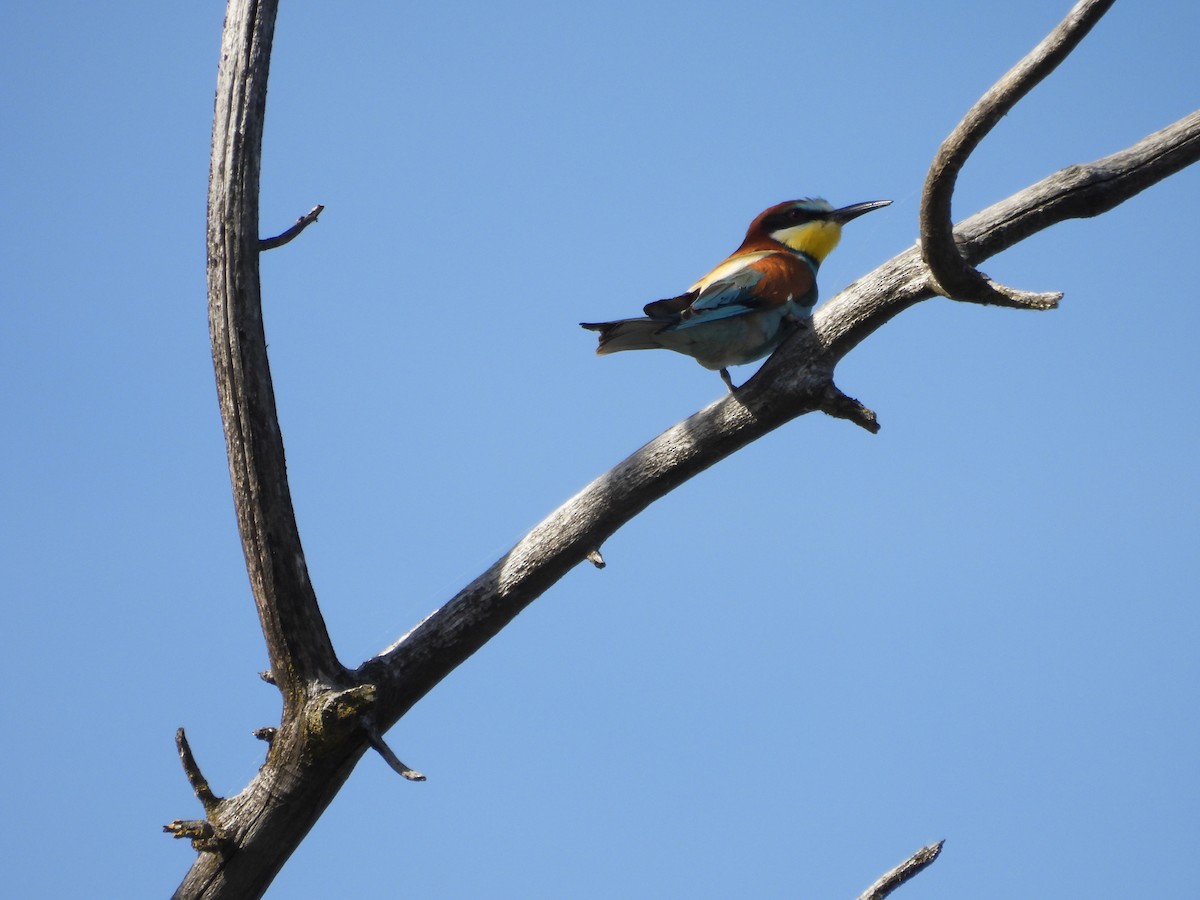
729, 296
732, 294
728, 290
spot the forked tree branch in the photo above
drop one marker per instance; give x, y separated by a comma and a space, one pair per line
950, 274
249, 836
331, 716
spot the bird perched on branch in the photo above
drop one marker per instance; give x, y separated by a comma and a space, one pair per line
744, 308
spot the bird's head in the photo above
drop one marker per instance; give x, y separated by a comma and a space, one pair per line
810, 226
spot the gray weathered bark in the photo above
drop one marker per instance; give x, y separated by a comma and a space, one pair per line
331, 714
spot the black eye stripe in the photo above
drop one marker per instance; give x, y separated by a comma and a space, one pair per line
792, 217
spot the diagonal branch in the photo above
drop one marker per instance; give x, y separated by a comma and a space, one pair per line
794, 381
951, 275
910, 868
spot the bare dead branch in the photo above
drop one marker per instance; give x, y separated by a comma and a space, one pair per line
951, 275
903, 872
331, 716
390, 758
297, 641
196, 779
306, 764
834, 403
1076, 192
301, 223
794, 381
204, 835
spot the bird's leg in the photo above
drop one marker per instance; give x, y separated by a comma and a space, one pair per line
728, 381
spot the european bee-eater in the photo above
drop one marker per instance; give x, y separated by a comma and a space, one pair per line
744, 308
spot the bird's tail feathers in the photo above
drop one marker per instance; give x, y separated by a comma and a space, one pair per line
626, 334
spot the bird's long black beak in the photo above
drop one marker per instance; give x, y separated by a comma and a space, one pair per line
846, 213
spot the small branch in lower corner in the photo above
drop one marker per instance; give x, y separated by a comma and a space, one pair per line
301, 223
902, 873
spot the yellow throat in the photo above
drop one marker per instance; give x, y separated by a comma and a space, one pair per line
815, 239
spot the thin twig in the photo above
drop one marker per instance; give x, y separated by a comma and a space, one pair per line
301, 223
949, 272
195, 777
390, 758
902, 872
204, 835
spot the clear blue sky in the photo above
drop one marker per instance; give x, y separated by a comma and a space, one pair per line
833, 648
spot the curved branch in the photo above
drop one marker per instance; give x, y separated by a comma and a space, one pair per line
1076, 192
292, 233
952, 276
245, 839
195, 777
297, 641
